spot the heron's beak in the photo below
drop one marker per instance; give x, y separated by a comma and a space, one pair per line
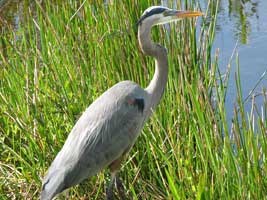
187, 14
176, 15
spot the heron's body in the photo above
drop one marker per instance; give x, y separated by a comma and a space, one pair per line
109, 127
106, 131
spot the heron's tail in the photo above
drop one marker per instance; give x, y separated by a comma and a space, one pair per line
53, 184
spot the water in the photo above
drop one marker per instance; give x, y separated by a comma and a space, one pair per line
243, 23
240, 22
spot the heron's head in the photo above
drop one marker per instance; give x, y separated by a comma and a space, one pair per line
160, 15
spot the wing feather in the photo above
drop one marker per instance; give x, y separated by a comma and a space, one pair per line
102, 134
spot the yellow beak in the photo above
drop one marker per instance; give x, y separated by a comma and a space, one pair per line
187, 14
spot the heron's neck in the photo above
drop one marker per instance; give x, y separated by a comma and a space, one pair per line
157, 85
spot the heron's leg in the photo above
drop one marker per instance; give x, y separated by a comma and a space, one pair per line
118, 184
109, 191
120, 187
114, 169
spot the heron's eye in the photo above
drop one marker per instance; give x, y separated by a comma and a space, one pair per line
165, 13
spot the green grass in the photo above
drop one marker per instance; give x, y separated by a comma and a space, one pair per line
61, 60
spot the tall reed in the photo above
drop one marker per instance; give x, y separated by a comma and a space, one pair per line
64, 55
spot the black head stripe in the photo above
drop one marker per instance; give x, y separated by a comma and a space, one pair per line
150, 13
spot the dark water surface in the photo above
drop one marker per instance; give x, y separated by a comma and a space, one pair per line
241, 24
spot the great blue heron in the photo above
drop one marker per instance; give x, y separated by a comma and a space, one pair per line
108, 128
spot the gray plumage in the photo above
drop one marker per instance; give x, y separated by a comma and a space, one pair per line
97, 139
109, 127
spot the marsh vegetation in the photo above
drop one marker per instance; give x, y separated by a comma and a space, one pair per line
65, 55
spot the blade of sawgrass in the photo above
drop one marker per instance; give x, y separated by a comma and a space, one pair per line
69, 53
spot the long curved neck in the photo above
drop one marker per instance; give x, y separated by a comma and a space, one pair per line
158, 83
